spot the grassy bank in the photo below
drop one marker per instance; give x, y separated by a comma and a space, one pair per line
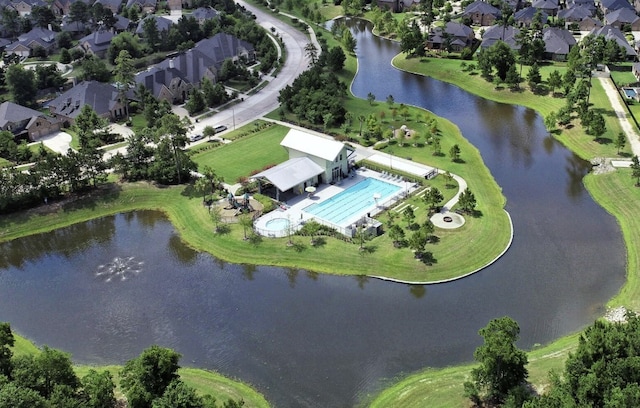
203, 381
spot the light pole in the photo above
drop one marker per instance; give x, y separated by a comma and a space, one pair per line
233, 112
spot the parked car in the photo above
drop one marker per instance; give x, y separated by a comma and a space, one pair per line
220, 128
195, 137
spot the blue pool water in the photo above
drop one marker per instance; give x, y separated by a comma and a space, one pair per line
631, 93
277, 224
354, 202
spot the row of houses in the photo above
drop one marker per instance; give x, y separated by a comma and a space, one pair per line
170, 80
63, 7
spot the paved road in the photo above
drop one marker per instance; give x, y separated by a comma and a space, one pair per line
266, 100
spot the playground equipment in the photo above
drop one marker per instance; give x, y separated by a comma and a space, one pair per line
241, 207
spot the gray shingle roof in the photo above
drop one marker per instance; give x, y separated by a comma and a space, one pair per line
12, 113
100, 96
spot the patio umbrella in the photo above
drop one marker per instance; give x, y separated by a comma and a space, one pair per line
310, 189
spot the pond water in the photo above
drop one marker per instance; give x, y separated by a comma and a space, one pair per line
106, 289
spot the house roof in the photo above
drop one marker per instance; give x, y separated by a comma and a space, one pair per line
205, 13
458, 30
162, 23
122, 23
312, 145
526, 15
111, 4
497, 33
576, 13
545, 4
142, 3
291, 173
557, 40
481, 7
12, 113
100, 96
38, 34
621, 15
610, 32
98, 41
222, 46
615, 4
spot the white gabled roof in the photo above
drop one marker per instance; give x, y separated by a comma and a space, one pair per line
291, 173
312, 145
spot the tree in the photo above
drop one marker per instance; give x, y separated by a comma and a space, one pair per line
635, 169
42, 16
513, 78
396, 233
44, 371
7, 341
597, 125
501, 58
554, 81
336, 59
433, 197
146, 377
13, 396
151, 33
411, 39
174, 131
196, 102
620, 142
48, 76
246, 222
87, 123
94, 68
178, 395
418, 241
22, 85
79, 11
361, 119
125, 78
311, 52
502, 365
454, 153
409, 216
371, 98
467, 201
349, 41
99, 389
550, 121
534, 77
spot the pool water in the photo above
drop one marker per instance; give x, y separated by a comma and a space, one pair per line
354, 202
277, 224
631, 93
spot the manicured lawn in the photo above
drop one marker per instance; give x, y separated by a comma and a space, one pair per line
244, 155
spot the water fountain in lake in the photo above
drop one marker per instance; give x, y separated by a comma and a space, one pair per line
120, 268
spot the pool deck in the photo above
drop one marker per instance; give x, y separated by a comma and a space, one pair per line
294, 208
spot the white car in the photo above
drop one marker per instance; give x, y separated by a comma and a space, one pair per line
194, 138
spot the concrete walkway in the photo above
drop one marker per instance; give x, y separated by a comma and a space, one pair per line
616, 103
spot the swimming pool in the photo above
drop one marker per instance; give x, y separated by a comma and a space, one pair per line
347, 206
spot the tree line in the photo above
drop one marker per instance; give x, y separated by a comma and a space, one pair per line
47, 380
603, 370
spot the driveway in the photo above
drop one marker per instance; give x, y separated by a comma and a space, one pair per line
59, 142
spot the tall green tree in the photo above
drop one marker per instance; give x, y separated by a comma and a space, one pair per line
467, 201
7, 342
502, 365
89, 125
620, 142
22, 85
146, 377
635, 169
125, 78
45, 371
99, 389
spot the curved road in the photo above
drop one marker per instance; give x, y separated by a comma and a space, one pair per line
266, 100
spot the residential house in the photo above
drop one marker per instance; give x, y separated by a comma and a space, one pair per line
63, 7
524, 17
481, 13
202, 14
168, 84
497, 33
622, 18
607, 6
313, 160
103, 98
574, 15
589, 24
147, 6
114, 5
25, 122
548, 6
28, 42
96, 43
24, 7
179, 4
396, 5
122, 24
557, 43
612, 33
457, 35
588, 4
75, 28
162, 23
173, 78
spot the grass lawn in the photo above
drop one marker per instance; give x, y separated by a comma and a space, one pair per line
244, 155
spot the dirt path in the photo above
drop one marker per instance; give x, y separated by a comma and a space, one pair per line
621, 113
